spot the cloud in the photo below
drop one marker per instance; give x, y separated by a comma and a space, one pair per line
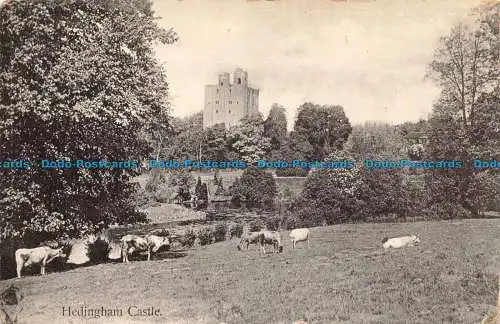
369, 57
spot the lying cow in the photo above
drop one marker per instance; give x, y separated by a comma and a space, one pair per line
273, 238
398, 242
148, 243
299, 235
41, 255
249, 238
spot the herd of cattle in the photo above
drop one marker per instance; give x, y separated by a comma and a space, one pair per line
152, 243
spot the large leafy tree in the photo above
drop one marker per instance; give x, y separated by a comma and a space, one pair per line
465, 64
465, 121
375, 140
297, 147
326, 128
275, 128
187, 138
215, 143
330, 196
78, 80
247, 140
382, 193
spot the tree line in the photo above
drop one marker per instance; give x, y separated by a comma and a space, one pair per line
79, 79
318, 131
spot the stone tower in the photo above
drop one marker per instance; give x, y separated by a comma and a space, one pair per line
228, 103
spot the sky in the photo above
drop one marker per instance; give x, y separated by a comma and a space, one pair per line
369, 56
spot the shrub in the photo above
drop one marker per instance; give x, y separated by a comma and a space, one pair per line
273, 223
292, 222
256, 187
182, 181
206, 235
98, 251
236, 230
59, 264
203, 197
220, 233
188, 239
220, 189
66, 246
446, 210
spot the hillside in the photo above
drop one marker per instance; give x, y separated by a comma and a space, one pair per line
345, 277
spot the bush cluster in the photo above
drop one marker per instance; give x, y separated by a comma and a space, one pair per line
236, 230
220, 232
206, 235
273, 222
188, 239
98, 251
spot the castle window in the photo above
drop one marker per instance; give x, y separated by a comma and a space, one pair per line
217, 90
221, 84
229, 110
217, 110
230, 102
239, 80
217, 102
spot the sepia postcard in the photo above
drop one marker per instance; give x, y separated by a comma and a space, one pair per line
249, 161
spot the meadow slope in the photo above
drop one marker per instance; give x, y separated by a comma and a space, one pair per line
345, 277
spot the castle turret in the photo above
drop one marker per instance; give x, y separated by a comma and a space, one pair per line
240, 77
224, 80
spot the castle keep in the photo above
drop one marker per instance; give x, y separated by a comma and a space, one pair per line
228, 103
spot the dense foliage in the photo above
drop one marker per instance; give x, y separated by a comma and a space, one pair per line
256, 187
275, 129
324, 128
465, 120
78, 80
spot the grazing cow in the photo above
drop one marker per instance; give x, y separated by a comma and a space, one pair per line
40, 255
249, 238
299, 235
148, 243
398, 242
271, 237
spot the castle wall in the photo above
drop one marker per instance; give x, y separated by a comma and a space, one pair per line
228, 103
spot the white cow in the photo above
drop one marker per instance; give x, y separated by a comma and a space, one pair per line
398, 242
299, 235
41, 255
148, 243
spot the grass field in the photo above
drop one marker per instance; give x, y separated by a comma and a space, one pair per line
345, 277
